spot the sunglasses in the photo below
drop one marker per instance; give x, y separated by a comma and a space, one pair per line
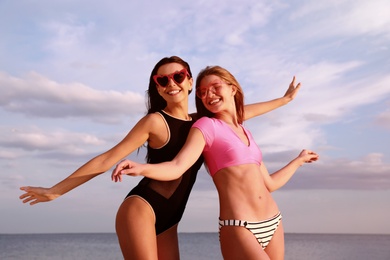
178, 77
203, 91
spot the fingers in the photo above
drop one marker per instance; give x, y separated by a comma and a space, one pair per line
292, 84
127, 171
313, 157
292, 90
116, 173
27, 197
125, 167
309, 156
120, 169
293, 81
123, 164
26, 194
23, 196
24, 188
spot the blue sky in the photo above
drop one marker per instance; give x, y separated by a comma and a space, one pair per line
73, 77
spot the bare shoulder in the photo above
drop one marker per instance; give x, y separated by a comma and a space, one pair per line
153, 119
150, 124
158, 132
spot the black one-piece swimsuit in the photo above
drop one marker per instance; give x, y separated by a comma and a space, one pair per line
169, 210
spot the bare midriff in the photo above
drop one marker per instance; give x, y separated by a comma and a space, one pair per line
243, 194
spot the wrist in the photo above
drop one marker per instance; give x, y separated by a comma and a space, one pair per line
299, 161
285, 100
54, 192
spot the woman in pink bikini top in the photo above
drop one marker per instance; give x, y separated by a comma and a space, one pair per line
235, 163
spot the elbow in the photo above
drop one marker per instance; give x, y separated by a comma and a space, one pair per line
104, 166
177, 174
271, 188
178, 169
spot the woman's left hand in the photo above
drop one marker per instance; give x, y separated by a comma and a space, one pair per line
125, 167
308, 156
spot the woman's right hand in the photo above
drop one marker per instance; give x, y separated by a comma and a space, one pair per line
36, 195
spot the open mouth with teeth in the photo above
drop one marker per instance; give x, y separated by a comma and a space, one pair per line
174, 92
214, 101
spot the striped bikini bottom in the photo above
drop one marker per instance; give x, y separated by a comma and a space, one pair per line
263, 230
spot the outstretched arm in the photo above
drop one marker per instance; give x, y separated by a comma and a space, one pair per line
165, 171
282, 176
100, 164
257, 109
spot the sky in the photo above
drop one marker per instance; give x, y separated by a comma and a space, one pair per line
73, 76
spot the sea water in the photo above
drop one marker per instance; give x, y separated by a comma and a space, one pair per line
193, 246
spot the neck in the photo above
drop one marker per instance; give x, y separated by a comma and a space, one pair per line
229, 118
178, 111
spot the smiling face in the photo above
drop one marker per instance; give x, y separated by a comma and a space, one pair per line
173, 91
218, 90
216, 94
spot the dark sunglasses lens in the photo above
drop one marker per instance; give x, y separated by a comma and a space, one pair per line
162, 81
179, 77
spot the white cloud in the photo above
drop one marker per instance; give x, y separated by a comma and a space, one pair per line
327, 95
345, 18
38, 96
66, 36
35, 139
370, 172
7, 155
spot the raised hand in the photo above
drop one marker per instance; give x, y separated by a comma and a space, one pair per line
292, 90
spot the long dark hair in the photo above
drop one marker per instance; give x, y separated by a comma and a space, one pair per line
226, 76
154, 101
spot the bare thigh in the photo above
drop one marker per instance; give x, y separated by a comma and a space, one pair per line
135, 228
168, 244
240, 243
275, 248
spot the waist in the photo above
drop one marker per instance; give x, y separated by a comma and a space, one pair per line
243, 193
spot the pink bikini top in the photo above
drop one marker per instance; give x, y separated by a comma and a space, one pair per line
224, 147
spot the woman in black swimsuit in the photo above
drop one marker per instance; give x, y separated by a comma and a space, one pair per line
147, 219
